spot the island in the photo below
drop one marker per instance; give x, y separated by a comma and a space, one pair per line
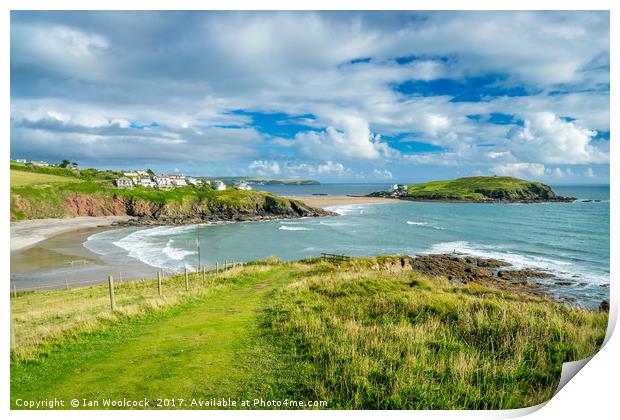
477, 189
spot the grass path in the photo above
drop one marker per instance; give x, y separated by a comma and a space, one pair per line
208, 347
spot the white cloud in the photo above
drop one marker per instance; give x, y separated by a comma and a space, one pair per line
520, 169
385, 174
549, 139
353, 141
263, 167
330, 167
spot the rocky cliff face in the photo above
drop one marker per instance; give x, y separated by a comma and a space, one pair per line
189, 210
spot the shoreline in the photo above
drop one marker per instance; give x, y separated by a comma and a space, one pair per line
322, 201
27, 233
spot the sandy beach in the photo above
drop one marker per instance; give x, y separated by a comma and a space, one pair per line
323, 201
30, 232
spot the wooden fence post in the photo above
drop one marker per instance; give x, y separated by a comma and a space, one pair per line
12, 332
186, 280
216, 267
111, 287
66, 284
14, 291
159, 283
203, 275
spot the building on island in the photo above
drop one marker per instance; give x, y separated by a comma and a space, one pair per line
40, 163
130, 174
124, 183
20, 160
398, 190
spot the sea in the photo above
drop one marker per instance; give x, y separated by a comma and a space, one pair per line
571, 240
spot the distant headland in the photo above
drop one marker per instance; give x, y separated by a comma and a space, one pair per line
478, 189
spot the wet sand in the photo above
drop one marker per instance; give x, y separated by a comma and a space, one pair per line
29, 232
49, 262
322, 201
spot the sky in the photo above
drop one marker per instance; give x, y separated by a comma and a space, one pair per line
333, 96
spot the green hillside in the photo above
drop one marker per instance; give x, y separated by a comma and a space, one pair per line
367, 334
482, 188
56, 192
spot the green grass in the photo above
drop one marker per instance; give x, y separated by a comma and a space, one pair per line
25, 178
356, 336
480, 188
36, 194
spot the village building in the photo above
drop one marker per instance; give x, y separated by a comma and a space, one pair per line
193, 181
219, 185
20, 160
124, 183
144, 182
130, 174
40, 163
179, 182
163, 182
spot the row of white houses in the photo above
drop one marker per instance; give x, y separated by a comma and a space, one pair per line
133, 179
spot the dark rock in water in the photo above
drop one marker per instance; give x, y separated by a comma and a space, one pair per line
604, 306
586, 201
564, 283
606, 285
582, 284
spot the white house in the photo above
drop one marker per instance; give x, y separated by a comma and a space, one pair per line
242, 186
144, 182
163, 182
20, 160
179, 182
193, 181
124, 183
130, 174
142, 173
40, 163
219, 185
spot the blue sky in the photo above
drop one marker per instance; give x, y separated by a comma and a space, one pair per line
334, 96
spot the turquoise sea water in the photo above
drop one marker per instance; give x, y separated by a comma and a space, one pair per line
569, 239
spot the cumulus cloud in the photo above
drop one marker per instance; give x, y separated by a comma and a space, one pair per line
550, 139
384, 174
80, 81
353, 141
520, 169
263, 167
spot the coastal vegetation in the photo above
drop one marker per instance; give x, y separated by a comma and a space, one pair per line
481, 189
58, 192
360, 333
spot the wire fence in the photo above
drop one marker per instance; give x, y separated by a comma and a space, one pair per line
67, 283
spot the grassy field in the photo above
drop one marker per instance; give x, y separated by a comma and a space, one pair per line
27, 179
479, 188
356, 336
